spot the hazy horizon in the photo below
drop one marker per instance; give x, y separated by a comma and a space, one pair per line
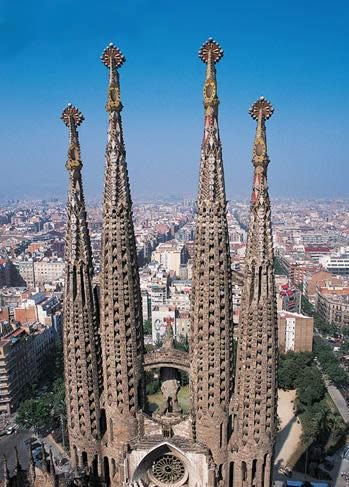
295, 55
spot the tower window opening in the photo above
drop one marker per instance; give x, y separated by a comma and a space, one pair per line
254, 470
84, 459
103, 422
243, 471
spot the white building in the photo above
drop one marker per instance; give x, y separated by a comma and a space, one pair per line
162, 317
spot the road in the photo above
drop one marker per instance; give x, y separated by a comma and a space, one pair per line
9, 442
7, 447
340, 402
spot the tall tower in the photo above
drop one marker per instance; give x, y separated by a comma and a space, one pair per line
121, 309
256, 389
212, 321
81, 337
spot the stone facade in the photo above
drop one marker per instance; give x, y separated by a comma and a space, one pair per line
212, 316
254, 425
115, 441
81, 335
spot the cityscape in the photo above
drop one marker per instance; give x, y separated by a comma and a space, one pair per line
311, 243
171, 330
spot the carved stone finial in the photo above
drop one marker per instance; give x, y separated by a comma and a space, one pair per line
261, 111
73, 118
112, 57
253, 437
211, 51
263, 107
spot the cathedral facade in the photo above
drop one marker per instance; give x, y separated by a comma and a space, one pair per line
228, 436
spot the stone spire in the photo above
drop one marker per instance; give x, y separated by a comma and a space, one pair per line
212, 322
255, 392
5, 473
81, 338
121, 309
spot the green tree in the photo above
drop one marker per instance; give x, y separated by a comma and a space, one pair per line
330, 363
182, 343
291, 365
307, 307
310, 386
279, 267
337, 374
345, 331
57, 403
345, 347
35, 414
147, 327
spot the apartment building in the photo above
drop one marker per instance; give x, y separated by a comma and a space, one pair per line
23, 353
295, 332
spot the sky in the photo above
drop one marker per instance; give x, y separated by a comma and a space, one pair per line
293, 52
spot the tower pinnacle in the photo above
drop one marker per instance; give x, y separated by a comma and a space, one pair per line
81, 336
210, 53
113, 59
121, 308
212, 325
255, 389
73, 118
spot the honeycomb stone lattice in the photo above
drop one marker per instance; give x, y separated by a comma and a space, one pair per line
169, 470
255, 387
211, 328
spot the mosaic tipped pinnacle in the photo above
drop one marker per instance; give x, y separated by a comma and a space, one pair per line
112, 55
211, 46
262, 104
72, 114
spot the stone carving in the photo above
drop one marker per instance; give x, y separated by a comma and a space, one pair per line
81, 338
121, 309
212, 323
169, 388
168, 469
228, 439
255, 392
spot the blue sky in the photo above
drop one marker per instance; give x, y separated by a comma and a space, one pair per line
296, 53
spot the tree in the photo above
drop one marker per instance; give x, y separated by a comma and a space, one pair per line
147, 327
290, 366
330, 363
345, 331
337, 374
35, 414
345, 347
45, 412
182, 343
307, 307
310, 386
279, 267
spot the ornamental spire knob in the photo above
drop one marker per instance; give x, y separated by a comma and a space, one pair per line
210, 53
73, 118
261, 108
261, 111
113, 59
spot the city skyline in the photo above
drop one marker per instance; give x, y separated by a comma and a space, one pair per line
162, 114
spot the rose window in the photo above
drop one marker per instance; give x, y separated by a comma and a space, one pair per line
168, 469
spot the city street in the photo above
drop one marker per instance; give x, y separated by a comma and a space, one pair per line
8, 444
7, 447
339, 401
